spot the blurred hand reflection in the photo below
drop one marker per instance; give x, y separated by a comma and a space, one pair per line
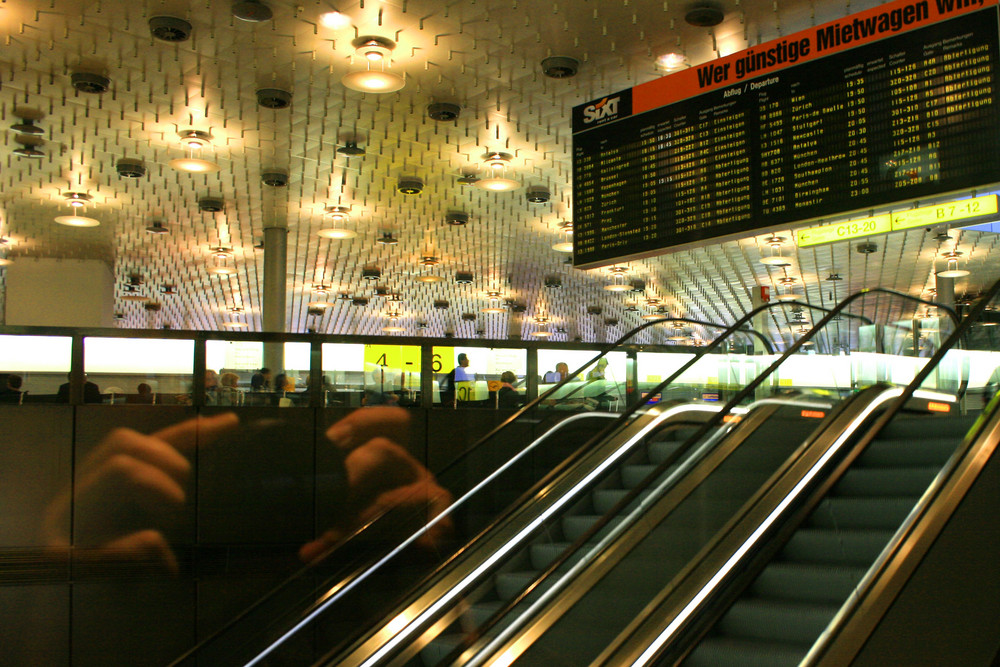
131, 490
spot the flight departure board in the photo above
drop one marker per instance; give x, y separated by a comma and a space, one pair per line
806, 127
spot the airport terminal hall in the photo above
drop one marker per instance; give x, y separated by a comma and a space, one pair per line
547, 333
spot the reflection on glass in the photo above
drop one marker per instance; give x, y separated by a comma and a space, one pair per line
33, 367
136, 370
591, 386
236, 374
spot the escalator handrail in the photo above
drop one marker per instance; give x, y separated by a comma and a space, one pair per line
359, 531
718, 418
868, 584
905, 394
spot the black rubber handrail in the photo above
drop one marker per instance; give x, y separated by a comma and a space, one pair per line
712, 423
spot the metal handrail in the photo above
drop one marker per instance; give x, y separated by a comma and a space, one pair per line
712, 423
359, 531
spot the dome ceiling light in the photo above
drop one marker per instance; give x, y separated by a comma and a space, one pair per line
194, 141
774, 258
952, 270
220, 261
157, 228
566, 227
77, 200
351, 149
497, 164
374, 78
339, 215
618, 283
494, 303
27, 126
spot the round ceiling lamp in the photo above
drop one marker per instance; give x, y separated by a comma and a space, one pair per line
618, 283
77, 200
233, 324
429, 279
497, 163
339, 215
220, 262
952, 270
494, 303
193, 141
334, 20
565, 227
774, 258
375, 51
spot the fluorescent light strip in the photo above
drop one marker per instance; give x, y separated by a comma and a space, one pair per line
515, 541
668, 632
410, 540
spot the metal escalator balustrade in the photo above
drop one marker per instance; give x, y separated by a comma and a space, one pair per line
502, 654
814, 558
436, 604
796, 596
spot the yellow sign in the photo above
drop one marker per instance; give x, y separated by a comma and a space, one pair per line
925, 216
852, 229
493, 385
942, 213
465, 391
402, 357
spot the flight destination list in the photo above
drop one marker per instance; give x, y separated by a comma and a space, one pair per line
905, 117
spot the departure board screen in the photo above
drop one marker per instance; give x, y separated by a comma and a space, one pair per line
902, 117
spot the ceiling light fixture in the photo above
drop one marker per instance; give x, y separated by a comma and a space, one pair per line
952, 270
543, 322
77, 200
351, 149
375, 51
387, 239
27, 126
669, 62
659, 314
774, 258
618, 283
334, 20
497, 180
494, 303
339, 215
132, 293
28, 151
220, 261
565, 227
193, 141
233, 324
157, 228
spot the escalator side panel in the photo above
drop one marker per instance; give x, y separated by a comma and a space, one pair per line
948, 612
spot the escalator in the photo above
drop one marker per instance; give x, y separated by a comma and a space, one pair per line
693, 519
327, 602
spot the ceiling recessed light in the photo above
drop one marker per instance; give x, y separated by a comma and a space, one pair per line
429, 279
565, 246
670, 61
235, 325
334, 20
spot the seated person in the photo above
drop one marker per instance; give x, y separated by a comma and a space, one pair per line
507, 396
11, 391
91, 392
228, 392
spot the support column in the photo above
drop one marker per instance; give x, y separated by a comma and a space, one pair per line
273, 314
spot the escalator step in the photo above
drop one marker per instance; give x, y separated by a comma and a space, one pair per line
439, 648
605, 499
883, 453
659, 451
575, 526
807, 583
860, 513
776, 622
719, 651
891, 482
544, 553
632, 475
846, 547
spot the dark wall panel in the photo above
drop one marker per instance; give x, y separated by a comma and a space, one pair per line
256, 485
36, 450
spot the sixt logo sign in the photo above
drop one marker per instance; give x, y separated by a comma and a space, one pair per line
604, 110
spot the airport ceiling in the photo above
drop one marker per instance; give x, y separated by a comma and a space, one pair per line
484, 56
